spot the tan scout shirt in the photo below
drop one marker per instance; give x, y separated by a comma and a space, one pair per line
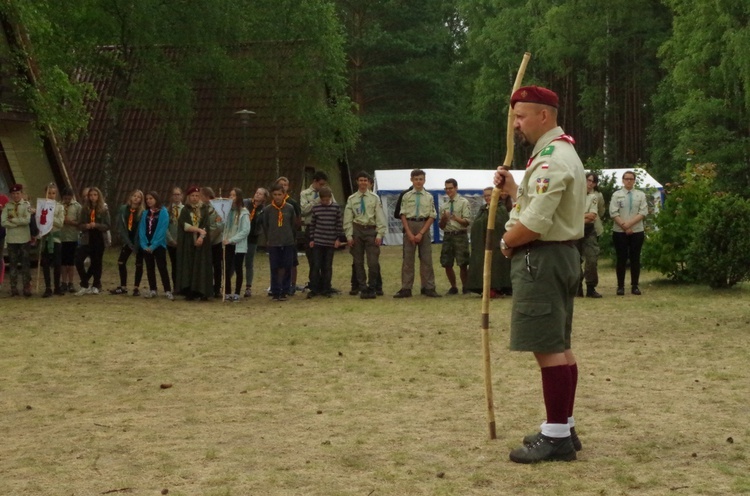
307, 200
552, 195
602, 209
461, 208
15, 219
592, 207
426, 205
627, 205
372, 215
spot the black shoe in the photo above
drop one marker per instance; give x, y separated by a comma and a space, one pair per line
452, 291
119, 290
311, 295
47, 293
431, 293
367, 294
282, 297
379, 292
136, 292
70, 288
422, 291
353, 292
403, 293
466, 291
545, 449
531, 439
636, 291
579, 294
592, 293
620, 291
59, 291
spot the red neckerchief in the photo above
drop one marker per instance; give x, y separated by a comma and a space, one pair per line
562, 137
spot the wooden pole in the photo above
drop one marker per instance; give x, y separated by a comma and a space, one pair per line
487, 270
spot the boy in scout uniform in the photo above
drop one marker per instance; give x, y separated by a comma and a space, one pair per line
545, 265
455, 217
364, 227
16, 218
417, 215
589, 244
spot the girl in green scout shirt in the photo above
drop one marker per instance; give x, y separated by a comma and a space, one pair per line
93, 224
69, 238
128, 220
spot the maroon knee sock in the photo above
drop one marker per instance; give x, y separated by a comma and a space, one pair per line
573, 386
556, 389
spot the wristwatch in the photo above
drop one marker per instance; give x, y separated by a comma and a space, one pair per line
504, 245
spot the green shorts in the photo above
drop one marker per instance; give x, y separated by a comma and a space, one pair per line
544, 287
455, 248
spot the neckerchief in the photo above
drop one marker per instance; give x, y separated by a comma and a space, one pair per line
92, 215
130, 219
195, 215
252, 214
151, 217
281, 215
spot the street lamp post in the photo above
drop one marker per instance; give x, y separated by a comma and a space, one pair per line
244, 115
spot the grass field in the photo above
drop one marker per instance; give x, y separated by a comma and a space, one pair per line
342, 396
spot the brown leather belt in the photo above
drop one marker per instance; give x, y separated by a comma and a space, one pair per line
455, 233
538, 243
362, 226
417, 219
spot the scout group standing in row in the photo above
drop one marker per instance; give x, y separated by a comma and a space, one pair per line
199, 243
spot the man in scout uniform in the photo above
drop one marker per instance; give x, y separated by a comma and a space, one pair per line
455, 217
541, 236
417, 214
16, 218
364, 227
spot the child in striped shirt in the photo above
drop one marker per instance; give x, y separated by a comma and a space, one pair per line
326, 231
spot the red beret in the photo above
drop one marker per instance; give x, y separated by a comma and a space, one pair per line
192, 189
16, 187
534, 94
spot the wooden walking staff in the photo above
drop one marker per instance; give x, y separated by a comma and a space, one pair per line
487, 272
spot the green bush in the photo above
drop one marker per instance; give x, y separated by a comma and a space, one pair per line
719, 253
669, 243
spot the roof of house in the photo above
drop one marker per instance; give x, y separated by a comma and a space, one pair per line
218, 149
14, 108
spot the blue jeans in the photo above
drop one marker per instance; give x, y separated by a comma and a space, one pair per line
281, 259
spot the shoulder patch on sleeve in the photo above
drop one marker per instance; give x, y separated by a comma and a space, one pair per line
547, 151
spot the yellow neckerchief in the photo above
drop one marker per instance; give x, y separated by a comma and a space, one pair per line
252, 214
281, 215
92, 215
175, 211
130, 219
195, 215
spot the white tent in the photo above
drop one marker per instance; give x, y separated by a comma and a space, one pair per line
471, 182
